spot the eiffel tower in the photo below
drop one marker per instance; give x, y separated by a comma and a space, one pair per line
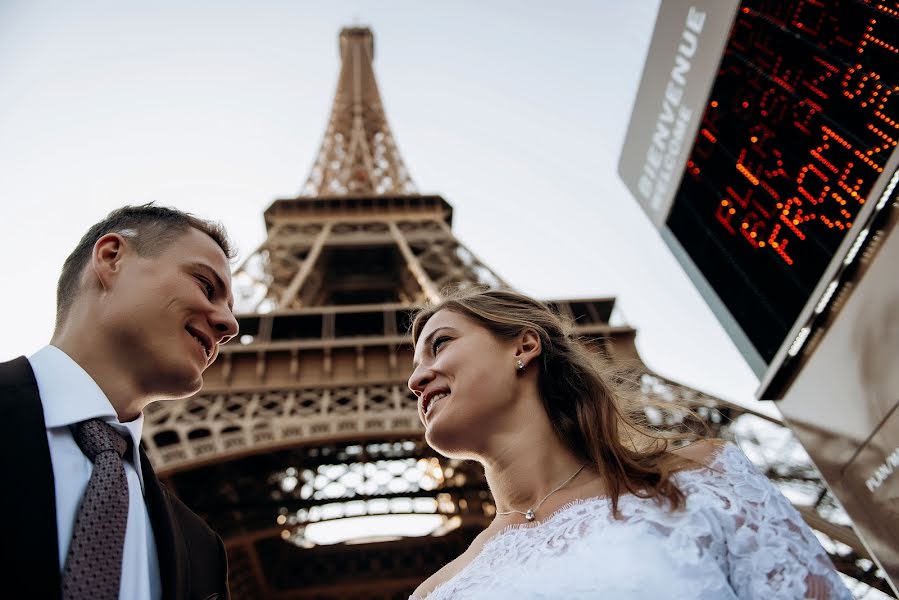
304, 422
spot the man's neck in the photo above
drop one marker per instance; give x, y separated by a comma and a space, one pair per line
101, 365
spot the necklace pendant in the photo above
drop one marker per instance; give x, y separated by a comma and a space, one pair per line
530, 514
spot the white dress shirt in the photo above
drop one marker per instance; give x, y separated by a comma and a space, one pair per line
69, 395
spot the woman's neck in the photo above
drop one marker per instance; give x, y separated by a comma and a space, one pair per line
527, 464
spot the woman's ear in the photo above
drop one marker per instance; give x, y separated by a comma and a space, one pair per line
106, 258
529, 347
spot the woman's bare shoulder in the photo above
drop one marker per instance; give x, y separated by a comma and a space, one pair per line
700, 453
443, 575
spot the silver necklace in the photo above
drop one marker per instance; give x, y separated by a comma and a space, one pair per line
531, 513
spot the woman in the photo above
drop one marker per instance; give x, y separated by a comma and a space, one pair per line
589, 503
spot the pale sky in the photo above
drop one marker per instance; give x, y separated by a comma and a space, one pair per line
514, 112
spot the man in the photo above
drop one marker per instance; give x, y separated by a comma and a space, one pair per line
143, 304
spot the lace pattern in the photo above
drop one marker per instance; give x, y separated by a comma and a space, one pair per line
738, 537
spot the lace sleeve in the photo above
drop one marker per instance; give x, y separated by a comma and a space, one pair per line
772, 552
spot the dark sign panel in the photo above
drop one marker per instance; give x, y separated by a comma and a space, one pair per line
798, 127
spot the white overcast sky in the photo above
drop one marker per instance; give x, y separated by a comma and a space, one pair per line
514, 111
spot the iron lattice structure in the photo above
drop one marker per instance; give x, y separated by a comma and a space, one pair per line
305, 419
358, 154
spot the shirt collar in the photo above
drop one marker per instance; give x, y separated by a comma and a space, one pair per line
69, 395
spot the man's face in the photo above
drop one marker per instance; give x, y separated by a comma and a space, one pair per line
167, 314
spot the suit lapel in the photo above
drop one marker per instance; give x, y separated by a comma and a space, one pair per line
170, 545
29, 500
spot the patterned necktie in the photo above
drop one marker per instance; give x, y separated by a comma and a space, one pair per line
93, 567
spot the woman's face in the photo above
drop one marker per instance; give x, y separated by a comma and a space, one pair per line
465, 380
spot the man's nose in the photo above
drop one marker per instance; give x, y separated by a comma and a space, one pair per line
225, 324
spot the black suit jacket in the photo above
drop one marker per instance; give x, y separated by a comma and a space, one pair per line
192, 561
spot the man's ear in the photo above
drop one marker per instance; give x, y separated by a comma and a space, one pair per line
529, 346
106, 259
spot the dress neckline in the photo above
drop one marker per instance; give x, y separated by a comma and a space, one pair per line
713, 460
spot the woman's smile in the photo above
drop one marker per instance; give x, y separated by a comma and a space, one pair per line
429, 403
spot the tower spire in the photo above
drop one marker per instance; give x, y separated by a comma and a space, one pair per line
358, 155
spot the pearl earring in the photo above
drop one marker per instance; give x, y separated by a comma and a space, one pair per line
519, 365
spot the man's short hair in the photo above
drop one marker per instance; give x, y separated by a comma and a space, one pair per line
148, 227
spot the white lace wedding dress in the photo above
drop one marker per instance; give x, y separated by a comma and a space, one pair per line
738, 537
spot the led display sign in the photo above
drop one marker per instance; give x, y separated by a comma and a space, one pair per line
798, 126
760, 134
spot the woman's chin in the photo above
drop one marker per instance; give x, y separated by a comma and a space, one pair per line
450, 442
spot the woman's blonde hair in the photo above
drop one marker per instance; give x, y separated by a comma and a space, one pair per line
598, 420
